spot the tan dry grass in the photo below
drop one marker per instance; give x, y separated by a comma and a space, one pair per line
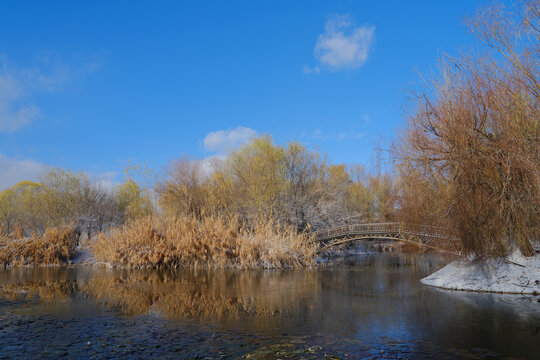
171, 242
56, 246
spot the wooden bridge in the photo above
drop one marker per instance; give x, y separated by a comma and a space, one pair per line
419, 234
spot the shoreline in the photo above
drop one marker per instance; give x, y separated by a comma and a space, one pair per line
514, 274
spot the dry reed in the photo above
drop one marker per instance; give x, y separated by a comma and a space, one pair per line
171, 242
56, 246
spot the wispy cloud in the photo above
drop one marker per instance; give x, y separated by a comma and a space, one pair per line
223, 141
107, 180
343, 45
15, 112
18, 85
311, 70
318, 134
14, 170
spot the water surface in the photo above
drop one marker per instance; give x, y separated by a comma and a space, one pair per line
368, 306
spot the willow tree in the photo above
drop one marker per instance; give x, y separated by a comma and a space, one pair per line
257, 172
18, 206
475, 132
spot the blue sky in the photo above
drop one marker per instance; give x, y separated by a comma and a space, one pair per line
92, 85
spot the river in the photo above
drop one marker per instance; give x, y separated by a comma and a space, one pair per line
364, 306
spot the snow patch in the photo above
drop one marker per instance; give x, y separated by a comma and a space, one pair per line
515, 274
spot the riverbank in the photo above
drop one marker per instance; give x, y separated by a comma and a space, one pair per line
515, 274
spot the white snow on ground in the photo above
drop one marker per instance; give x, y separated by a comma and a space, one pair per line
515, 274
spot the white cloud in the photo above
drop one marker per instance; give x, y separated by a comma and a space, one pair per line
343, 45
223, 141
211, 163
15, 170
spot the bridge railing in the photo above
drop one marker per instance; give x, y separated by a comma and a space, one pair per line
395, 228
353, 229
429, 231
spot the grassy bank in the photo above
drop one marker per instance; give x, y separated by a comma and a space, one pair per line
171, 242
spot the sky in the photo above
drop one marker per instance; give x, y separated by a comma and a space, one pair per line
93, 85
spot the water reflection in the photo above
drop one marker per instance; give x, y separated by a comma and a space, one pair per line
373, 299
199, 294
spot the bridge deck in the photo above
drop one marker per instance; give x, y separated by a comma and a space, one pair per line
421, 234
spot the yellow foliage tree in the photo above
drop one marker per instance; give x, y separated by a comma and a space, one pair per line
18, 205
135, 200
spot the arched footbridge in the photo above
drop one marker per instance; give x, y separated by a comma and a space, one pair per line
422, 235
